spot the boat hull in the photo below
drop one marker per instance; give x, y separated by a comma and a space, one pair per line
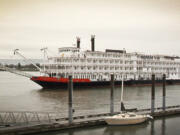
125, 121
55, 83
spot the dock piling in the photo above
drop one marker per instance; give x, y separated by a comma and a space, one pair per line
153, 94
163, 126
70, 90
112, 95
164, 93
152, 128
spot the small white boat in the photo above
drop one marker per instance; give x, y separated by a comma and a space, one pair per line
127, 119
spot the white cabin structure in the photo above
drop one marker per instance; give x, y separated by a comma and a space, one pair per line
98, 65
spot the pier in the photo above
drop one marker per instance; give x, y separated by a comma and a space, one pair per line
38, 122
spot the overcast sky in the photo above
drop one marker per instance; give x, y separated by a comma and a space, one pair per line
149, 26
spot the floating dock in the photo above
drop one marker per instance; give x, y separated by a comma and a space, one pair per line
78, 122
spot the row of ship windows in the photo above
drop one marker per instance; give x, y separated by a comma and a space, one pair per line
116, 55
128, 56
155, 68
68, 50
158, 63
112, 68
92, 76
92, 60
83, 76
116, 61
55, 66
125, 55
89, 68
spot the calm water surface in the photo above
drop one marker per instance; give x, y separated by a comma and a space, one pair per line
18, 93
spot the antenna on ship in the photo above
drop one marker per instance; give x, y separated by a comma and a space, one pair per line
16, 52
122, 83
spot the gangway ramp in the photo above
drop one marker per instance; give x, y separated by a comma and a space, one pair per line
15, 71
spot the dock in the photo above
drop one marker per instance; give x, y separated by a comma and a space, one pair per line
59, 124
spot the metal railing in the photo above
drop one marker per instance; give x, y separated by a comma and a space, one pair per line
8, 118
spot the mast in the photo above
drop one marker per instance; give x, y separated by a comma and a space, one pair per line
44, 52
122, 83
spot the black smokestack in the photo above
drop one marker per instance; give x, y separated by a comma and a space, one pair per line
78, 42
92, 43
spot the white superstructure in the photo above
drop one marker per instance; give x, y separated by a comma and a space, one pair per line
98, 65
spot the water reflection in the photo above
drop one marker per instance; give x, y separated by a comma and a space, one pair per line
125, 130
152, 127
71, 132
163, 128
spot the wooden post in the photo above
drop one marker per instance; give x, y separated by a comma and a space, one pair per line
153, 94
70, 90
112, 95
163, 131
164, 92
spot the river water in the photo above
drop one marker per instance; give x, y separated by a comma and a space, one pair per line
18, 93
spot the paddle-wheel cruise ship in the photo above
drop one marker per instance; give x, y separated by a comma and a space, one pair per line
93, 68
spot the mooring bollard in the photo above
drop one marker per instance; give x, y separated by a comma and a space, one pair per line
112, 95
70, 90
153, 94
164, 92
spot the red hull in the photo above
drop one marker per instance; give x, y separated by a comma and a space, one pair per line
53, 79
52, 82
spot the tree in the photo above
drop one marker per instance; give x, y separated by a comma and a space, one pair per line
19, 66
